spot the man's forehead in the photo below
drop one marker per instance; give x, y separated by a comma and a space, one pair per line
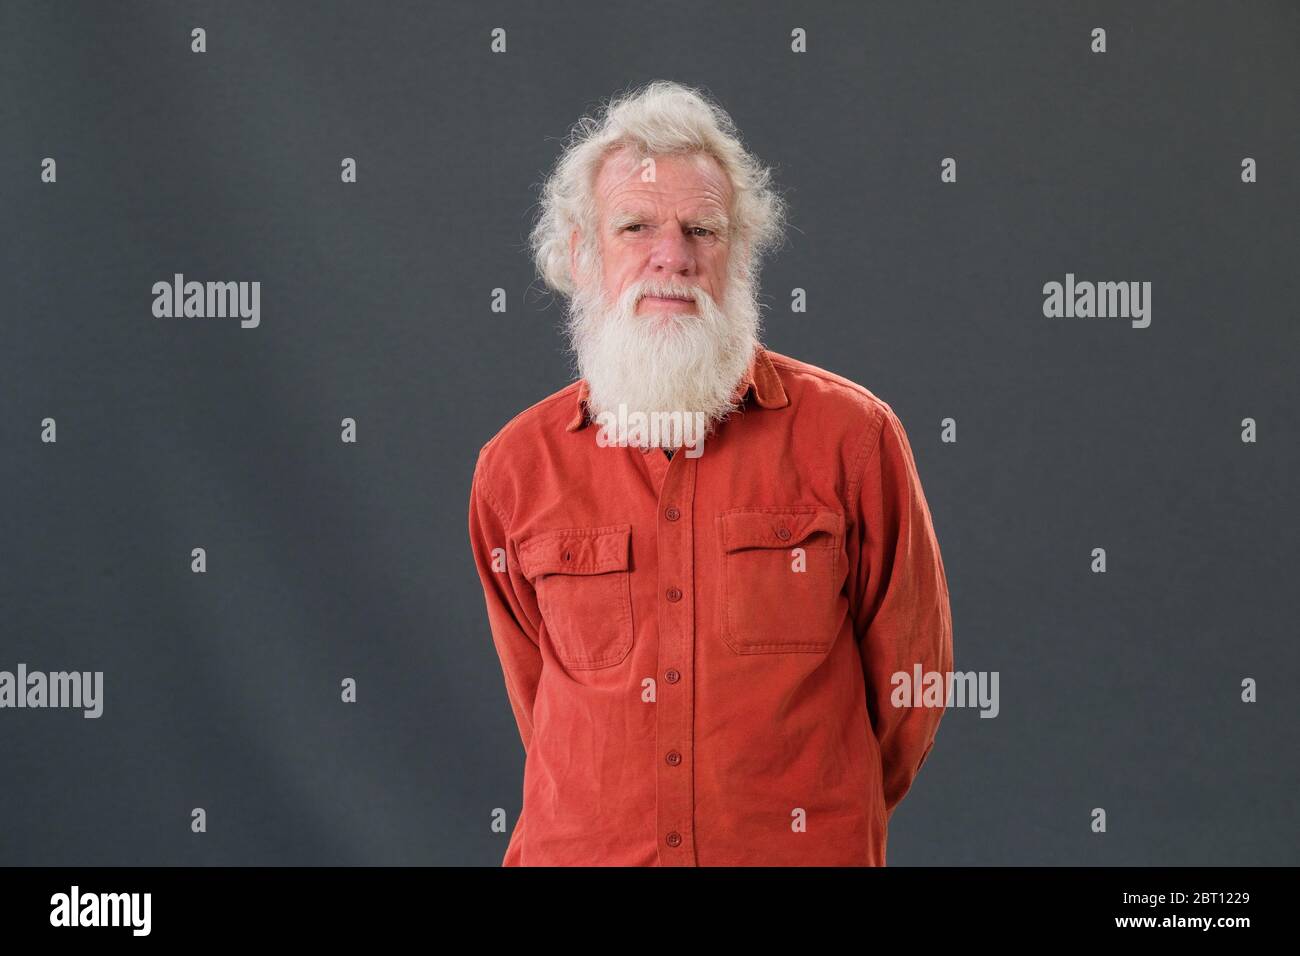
691, 175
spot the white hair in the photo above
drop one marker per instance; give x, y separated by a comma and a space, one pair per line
659, 119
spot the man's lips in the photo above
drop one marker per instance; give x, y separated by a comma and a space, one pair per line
670, 298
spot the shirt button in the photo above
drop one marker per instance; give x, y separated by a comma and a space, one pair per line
674, 594
673, 675
783, 533
673, 838
673, 758
568, 555
672, 514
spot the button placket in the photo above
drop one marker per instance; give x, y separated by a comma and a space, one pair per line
656, 465
674, 718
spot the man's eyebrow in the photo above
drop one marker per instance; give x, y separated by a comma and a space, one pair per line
626, 217
715, 221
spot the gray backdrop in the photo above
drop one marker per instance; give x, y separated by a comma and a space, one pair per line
329, 560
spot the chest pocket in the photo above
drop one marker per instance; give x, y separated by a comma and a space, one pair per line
584, 591
782, 579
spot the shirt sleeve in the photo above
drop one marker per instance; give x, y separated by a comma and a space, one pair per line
902, 617
508, 594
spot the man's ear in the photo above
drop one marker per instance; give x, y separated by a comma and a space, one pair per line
575, 237
742, 249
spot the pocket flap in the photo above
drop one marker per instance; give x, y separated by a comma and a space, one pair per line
576, 551
780, 528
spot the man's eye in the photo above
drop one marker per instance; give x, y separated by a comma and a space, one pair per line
635, 225
701, 230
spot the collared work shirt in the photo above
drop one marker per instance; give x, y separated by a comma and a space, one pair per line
700, 652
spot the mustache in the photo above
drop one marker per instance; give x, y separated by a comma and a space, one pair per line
663, 290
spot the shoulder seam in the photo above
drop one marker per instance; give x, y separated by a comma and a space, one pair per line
480, 482
869, 448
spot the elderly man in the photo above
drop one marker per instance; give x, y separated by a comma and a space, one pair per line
699, 627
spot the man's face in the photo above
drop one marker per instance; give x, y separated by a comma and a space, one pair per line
671, 233
637, 346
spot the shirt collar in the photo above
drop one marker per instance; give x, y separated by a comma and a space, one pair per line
760, 377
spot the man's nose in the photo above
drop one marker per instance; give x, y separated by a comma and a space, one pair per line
672, 253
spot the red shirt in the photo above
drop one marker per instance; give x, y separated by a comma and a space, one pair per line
699, 652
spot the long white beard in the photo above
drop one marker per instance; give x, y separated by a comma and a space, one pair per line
660, 364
